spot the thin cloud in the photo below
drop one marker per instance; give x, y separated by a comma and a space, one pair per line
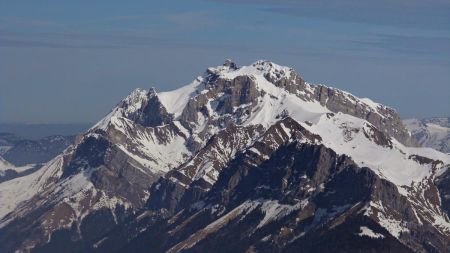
192, 19
411, 44
71, 40
31, 22
17, 43
413, 14
124, 18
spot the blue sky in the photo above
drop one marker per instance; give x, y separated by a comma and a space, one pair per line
72, 61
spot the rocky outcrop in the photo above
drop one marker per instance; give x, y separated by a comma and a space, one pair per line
443, 185
382, 117
152, 113
229, 94
215, 155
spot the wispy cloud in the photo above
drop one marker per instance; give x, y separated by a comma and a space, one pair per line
433, 14
411, 44
30, 22
192, 19
124, 17
118, 40
17, 43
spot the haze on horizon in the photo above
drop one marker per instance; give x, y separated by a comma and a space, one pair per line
72, 62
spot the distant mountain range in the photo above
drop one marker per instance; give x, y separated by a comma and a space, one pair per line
23, 151
243, 159
19, 157
36, 131
431, 132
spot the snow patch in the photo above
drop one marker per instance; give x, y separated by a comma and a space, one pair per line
365, 231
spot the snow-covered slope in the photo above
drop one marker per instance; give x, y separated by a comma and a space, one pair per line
431, 132
24, 188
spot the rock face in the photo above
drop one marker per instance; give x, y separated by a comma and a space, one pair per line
152, 113
304, 197
431, 132
384, 118
243, 159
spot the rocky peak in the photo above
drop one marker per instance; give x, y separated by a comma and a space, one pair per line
229, 93
145, 108
230, 64
135, 101
142, 107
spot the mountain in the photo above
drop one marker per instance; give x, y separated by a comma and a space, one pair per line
21, 152
21, 157
242, 159
431, 132
7, 140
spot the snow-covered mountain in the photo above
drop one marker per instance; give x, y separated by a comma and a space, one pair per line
242, 159
431, 132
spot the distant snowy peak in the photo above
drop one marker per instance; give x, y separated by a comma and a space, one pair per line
431, 132
441, 121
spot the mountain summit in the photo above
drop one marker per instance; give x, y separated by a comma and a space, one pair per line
242, 159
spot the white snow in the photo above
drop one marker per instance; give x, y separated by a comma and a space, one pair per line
17, 190
175, 101
392, 164
182, 128
276, 100
242, 209
129, 105
365, 231
373, 105
273, 210
143, 145
25, 167
394, 226
5, 165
